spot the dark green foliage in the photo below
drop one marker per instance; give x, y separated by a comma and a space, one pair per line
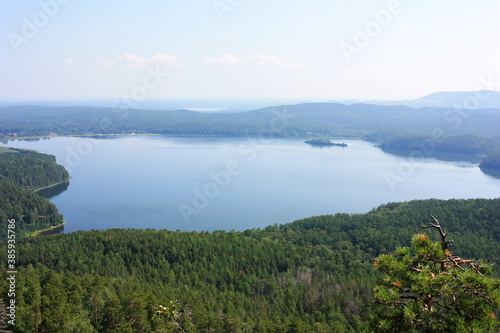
491, 161
459, 144
30, 211
431, 290
30, 169
21, 170
313, 275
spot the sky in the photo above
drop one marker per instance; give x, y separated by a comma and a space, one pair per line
317, 49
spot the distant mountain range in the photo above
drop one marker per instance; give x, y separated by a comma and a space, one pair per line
484, 99
371, 122
481, 99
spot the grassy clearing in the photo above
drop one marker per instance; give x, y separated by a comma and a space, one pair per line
38, 232
7, 150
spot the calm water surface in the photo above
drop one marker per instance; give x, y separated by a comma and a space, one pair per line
200, 183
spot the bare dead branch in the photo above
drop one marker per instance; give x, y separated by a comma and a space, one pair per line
444, 243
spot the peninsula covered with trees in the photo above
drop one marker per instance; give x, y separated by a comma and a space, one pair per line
456, 144
491, 161
486, 148
29, 169
22, 172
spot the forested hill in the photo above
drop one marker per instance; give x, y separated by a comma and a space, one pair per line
459, 144
22, 171
30, 169
30, 211
313, 275
374, 122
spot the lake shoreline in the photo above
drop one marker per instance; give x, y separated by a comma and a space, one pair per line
189, 183
42, 231
51, 185
6, 139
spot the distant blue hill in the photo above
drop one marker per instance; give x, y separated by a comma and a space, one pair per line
481, 99
484, 99
192, 104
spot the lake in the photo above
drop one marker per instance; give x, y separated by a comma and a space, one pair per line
207, 183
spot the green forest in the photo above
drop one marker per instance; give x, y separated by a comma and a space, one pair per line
312, 275
30, 169
458, 144
415, 146
22, 172
362, 121
491, 161
31, 211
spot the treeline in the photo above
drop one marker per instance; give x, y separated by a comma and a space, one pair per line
313, 275
362, 121
457, 144
21, 171
30, 169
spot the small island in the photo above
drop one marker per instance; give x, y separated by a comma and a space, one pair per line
324, 143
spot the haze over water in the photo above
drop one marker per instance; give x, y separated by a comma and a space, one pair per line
206, 183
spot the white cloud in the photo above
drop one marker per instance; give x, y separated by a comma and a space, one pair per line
169, 60
263, 60
134, 61
70, 62
107, 63
226, 60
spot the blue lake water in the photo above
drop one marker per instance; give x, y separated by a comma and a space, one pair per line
206, 183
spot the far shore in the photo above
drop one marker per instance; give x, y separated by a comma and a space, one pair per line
169, 135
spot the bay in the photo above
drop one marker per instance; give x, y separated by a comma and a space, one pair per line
207, 183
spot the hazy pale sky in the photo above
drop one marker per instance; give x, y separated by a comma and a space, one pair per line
316, 49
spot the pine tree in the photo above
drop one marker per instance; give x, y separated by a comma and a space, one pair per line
434, 291
168, 315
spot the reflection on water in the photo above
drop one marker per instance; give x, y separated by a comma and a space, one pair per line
104, 136
495, 173
446, 157
53, 191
